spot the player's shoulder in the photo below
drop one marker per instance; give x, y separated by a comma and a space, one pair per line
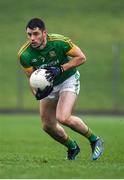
57, 37
24, 50
60, 40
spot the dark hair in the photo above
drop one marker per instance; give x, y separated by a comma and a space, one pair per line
36, 22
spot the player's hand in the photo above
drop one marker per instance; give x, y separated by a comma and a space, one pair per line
53, 72
42, 94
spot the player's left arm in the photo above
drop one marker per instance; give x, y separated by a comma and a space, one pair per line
78, 58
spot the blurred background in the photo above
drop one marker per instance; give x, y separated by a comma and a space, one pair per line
95, 26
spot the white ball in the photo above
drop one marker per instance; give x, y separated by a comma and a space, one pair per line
38, 79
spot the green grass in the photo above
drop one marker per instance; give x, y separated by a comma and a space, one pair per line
93, 25
27, 152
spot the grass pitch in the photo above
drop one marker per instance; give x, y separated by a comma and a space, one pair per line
27, 152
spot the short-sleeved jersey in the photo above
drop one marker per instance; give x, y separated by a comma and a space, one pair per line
55, 53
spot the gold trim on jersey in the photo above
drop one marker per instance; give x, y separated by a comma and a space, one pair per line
28, 70
22, 49
69, 53
62, 38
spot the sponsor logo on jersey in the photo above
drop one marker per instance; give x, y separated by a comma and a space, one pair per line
45, 65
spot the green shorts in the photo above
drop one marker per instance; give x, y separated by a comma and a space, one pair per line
71, 84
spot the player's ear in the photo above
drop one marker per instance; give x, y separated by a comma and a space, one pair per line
44, 32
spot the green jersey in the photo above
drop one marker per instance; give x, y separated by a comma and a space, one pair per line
55, 53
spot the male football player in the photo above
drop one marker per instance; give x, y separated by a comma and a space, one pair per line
60, 56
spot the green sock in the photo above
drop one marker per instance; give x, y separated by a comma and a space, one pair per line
90, 135
70, 144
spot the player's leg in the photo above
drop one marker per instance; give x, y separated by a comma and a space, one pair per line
49, 123
64, 110
95, 142
51, 126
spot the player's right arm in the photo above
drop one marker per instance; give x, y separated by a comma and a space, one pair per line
24, 60
28, 72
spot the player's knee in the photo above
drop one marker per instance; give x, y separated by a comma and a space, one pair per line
63, 119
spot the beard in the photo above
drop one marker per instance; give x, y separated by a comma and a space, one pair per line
35, 45
39, 46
